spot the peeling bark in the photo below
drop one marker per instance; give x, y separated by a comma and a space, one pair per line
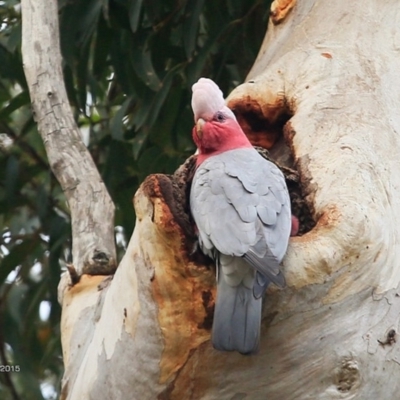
322, 98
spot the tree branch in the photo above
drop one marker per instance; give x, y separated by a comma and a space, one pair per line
92, 210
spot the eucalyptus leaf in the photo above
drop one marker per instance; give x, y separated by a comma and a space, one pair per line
11, 178
117, 122
15, 103
193, 12
135, 7
17, 256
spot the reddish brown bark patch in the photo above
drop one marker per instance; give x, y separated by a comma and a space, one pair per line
262, 124
183, 290
268, 127
174, 192
280, 9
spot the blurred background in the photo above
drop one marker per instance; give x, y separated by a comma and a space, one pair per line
128, 69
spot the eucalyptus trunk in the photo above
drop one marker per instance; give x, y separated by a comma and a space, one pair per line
323, 97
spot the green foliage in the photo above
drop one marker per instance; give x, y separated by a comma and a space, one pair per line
128, 68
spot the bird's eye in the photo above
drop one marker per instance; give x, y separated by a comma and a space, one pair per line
219, 117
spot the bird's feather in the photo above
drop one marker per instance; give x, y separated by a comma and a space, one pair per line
241, 207
237, 315
229, 207
207, 99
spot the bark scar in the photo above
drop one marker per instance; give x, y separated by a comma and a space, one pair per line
269, 129
280, 9
390, 338
184, 282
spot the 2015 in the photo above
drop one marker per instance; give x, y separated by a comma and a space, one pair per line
10, 368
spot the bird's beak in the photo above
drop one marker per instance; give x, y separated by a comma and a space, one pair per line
199, 127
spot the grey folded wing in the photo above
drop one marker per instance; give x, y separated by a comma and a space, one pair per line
241, 207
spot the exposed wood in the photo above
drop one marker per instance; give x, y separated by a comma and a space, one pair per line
138, 336
280, 9
323, 96
138, 331
92, 210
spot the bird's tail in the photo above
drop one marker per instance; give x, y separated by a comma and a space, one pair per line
237, 316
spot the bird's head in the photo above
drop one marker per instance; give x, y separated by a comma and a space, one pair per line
216, 128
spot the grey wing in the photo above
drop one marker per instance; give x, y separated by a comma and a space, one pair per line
241, 206
220, 224
274, 216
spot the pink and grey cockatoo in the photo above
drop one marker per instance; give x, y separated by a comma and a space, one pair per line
241, 208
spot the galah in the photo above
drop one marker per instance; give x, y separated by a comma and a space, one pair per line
241, 208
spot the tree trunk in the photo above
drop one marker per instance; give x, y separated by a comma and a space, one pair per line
323, 97
92, 210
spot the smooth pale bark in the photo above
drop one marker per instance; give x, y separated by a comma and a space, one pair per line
327, 79
92, 210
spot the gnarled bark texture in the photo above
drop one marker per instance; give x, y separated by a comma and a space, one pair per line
323, 97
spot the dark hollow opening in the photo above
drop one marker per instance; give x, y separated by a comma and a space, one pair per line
272, 136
